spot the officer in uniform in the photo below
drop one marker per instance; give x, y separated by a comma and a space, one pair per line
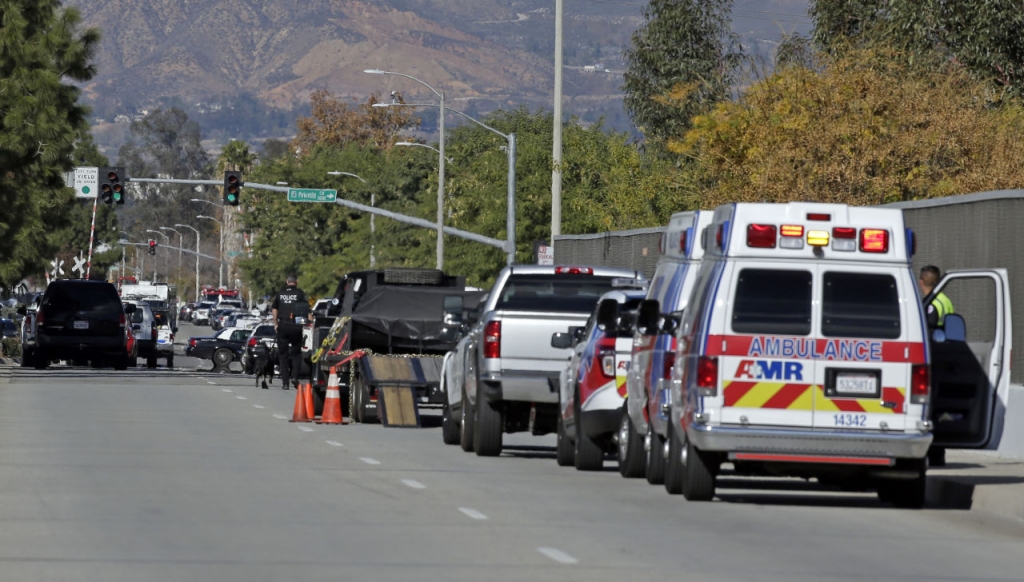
940, 305
290, 310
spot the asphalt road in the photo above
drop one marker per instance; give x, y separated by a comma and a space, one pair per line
185, 475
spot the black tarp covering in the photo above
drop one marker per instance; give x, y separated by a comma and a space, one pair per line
408, 313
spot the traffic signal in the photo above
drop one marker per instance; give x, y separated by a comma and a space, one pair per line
112, 181
152, 247
232, 187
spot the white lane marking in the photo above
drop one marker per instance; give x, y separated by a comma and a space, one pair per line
225, 390
369, 460
558, 555
241, 397
305, 428
211, 382
472, 513
280, 417
334, 443
413, 484
260, 406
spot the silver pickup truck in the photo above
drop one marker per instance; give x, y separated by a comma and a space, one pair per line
503, 375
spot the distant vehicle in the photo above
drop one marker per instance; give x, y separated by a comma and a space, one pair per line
145, 325
221, 349
8, 328
165, 330
592, 388
80, 320
201, 313
261, 333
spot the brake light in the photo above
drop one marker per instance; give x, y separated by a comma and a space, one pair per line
670, 360
492, 339
844, 232
874, 240
152, 333
707, 376
191, 342
792, 236
606, 356
39, 318
792, 230
252, 342
920, 383
718, 236
574, 271
844, 238
761, 236
682, 241
819, 216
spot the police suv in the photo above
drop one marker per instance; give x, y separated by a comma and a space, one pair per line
804, 351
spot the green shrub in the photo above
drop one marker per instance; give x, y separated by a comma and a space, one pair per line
11, 347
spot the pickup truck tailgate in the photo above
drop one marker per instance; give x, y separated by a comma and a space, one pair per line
526, 339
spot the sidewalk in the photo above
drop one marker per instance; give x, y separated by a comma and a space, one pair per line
980, 482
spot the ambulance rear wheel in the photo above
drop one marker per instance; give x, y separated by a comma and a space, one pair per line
565, 452
449, 428
466, 426
905, 494
674, 464
631, 449
654, 445
698, 472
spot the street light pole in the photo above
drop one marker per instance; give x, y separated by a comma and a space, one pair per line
440, 161
195, 230
220, 277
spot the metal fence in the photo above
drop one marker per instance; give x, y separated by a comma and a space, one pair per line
973, 231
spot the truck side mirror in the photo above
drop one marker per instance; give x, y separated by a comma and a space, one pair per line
453, 308
648, 317
561, 340
577, 333
608, 315
129, 308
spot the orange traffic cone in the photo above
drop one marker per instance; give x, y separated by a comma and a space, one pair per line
310, 403
332, 401
299, 414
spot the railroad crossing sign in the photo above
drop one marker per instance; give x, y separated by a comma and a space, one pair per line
57, 265
79, 266
311, 195
86, 182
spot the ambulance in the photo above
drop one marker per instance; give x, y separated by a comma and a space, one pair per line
804, 351
653, 354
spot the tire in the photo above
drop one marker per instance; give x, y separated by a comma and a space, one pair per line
655, 461
906, 494
151, 362
589, 455
79, 363
674, 464
488, 430
121, 363
364, 404
170, 362
221, 360
27, 359
631, 449
40, 363
698, 472
565, 451
356, 398
449, 428
467, 426
936, 457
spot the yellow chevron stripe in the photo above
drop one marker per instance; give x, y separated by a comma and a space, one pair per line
872, 405
805, 401
759, 395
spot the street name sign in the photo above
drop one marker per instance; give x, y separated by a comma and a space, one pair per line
311, 195
86, 182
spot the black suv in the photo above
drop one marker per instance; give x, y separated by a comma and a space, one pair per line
81, 320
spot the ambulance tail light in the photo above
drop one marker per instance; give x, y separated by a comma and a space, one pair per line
707, 376
874, 240
920, 382
817, 238
844, 238
492, 339
574, 271
819, 216
761, 236
792, 236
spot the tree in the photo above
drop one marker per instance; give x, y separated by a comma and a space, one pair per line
41, 50
869, 129
335, 122
680, 63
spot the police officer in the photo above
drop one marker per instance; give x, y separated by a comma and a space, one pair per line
940, 305
290, 310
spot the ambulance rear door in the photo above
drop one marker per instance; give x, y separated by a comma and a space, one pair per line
765, 361
869, 341
971, 362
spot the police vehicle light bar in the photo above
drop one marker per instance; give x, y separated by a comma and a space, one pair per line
874, 240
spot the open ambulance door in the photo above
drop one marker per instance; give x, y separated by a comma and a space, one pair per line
970, 360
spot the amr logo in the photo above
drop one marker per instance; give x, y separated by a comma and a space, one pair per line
769, 370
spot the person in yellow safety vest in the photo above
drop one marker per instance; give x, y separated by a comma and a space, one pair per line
940, 305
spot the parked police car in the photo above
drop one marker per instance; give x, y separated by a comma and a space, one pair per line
804, 351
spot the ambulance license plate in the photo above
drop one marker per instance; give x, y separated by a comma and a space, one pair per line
855, 384
81, 325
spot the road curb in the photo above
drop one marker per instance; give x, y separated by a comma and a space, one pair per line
980, 482
9, 362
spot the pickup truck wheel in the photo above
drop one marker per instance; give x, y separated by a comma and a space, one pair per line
653, 445
449, 428
221, 360
40, 363
122, 363
27, 358
631, 449
466, 426
905, 494
170, 361
565, 452
488, 430
151, 361
589, 456
698, 473
674, 464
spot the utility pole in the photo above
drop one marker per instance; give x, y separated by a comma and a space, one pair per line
556, 152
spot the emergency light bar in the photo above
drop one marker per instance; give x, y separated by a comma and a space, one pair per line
792, 237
